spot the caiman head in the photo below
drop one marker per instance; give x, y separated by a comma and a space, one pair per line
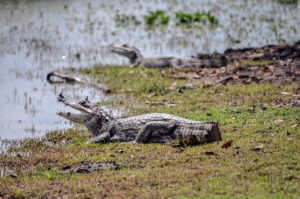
91, 115
132, 53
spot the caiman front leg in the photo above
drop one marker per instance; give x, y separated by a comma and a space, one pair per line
104, 137
163, 127
135, 63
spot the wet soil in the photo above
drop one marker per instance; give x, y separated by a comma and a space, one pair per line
86, 167
249, 65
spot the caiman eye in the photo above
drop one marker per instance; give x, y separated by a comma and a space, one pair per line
99, 121
82, 103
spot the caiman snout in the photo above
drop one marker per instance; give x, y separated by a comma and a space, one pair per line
121, 50
85, 115
78, 118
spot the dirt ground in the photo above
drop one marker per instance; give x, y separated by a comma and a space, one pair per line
266, 64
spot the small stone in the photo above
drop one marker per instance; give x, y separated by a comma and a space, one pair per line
286, 93
294, 125
180, 150
265, 106
278, 121
258, 148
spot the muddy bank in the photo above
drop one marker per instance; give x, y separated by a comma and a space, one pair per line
86, 167
249, 65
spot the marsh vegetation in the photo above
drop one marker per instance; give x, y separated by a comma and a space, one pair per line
259, 154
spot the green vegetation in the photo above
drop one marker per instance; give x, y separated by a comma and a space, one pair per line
184, 18
187, 18
258, 63
125, 20
51, 174
287, 2
152, 18
158, 17
263, 161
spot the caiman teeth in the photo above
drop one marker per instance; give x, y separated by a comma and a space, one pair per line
59, 112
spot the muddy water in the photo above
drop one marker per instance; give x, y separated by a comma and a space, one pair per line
39, 36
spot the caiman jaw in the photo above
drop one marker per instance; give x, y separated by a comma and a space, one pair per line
78, 118
85, 115
78, 107
120, 50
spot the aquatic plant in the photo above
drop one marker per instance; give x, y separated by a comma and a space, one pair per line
158, 17
188, 18
152, 18
212, 19
287, 2
184, 17
125, 20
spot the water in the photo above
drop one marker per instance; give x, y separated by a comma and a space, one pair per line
40, 36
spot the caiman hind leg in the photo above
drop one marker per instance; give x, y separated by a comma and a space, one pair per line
200, 133
162, 127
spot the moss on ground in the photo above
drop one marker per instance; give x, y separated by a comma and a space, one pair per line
258, 63
263, 161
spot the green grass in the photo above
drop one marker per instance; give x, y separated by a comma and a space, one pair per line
51, 174
258, 63
250, 115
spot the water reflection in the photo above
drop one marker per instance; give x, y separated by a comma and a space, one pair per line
37, 37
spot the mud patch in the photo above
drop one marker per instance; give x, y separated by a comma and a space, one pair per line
250, 65
5, 171
293, 101
86, 167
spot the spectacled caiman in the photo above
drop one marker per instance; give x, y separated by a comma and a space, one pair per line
63, 78
146, 128
136, 59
